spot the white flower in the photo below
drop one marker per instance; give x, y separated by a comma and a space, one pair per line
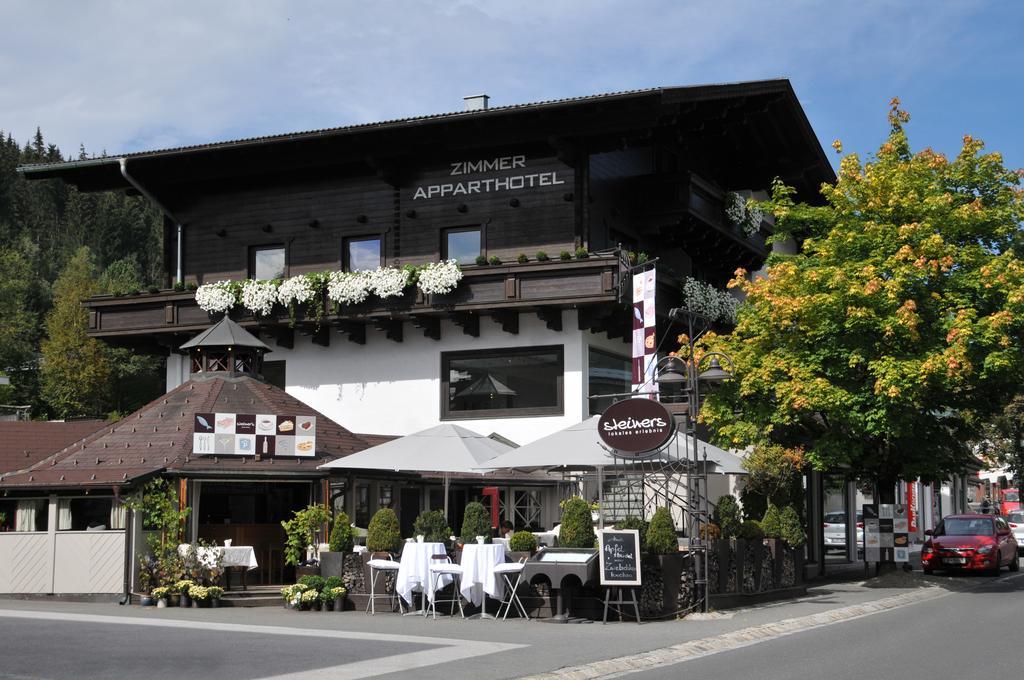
215, 298
386, 282
708, 301
259, 296
297, 289
348, 288
439, 278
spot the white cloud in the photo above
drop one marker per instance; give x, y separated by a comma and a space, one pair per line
126, 76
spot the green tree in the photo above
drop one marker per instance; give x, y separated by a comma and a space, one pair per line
884, 343
75, 367
1002, 440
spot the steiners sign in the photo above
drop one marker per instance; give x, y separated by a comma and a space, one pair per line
636, 426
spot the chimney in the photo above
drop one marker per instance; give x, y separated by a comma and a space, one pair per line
476, 102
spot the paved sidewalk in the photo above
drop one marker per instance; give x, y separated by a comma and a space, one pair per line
352, 644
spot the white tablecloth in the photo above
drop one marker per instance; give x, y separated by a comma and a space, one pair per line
414, 569
478, 563
234, 556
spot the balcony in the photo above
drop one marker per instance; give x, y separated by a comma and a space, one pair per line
160, 321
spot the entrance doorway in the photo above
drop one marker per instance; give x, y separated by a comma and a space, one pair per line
409, 509
250, 514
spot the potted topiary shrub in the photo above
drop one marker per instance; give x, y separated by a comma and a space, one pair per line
522, 258
481, 261
432, 526
637, 524
565, 255
332, 562
475, 522
727, 516
494, 260
521, 544
577, 529
383, 534
542, 256
663, 544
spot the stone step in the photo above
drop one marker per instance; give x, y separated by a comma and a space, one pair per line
252, 601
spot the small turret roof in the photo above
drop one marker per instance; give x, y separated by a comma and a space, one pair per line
225, 333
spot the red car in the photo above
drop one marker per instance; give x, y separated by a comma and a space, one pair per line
975, 542
1009, 501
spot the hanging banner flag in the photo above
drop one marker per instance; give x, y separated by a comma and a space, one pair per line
645, 342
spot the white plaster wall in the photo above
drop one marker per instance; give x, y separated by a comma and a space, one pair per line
384, 387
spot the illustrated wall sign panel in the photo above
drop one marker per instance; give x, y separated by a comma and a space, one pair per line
249, 434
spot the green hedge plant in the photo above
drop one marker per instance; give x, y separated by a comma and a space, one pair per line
577, 530
433, 526
341, 535
750, 531
771, 523
313, 582
727, 516
522, 541
661, 534
475, 522
383, 534
792, 531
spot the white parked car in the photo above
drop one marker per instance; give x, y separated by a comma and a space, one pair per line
835, 531
1016, 521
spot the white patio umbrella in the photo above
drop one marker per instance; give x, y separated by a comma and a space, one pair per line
444, 448
579, 447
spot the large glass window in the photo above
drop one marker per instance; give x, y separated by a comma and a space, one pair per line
607, 374
93, 513
361, 254
463, 244
502, 383
266, 262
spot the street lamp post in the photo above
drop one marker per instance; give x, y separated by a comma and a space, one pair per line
687, 375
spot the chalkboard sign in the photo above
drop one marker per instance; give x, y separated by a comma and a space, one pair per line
620, 557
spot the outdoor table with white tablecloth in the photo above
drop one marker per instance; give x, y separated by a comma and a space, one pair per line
234, 555
414, 569
478, 563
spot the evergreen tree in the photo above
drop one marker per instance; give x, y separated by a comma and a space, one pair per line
75, 368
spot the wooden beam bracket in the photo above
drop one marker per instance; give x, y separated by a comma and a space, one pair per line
509, 320
469, 322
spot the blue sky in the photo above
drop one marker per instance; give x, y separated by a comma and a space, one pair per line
128, 76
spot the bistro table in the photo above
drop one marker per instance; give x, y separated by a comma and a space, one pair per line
242, 557
414, 570
478, 577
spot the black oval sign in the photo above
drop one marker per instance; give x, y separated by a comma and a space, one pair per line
636, 426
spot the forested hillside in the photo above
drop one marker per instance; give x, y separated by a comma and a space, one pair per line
58, 245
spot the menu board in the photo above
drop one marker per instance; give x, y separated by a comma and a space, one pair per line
248, 434
619, 557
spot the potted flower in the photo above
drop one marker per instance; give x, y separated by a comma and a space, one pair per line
182, 587
200, 596
308, 599
337, 596
293, 595
215, 593
160, 594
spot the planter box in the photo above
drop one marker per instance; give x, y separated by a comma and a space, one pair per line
671, 573
331, 564
306, 571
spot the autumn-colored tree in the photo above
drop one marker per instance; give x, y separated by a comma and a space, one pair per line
896, 330
75, 368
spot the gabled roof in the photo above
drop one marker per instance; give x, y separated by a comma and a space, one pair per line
699, 111
225, 333
158, 438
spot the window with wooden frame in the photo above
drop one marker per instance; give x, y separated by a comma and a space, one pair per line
462, 244
502, 383
267, 262
361, 253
